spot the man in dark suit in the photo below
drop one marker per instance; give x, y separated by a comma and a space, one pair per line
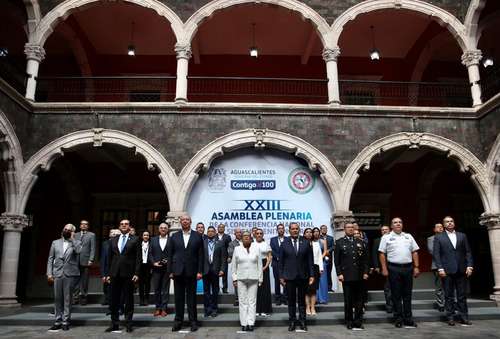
330, 243
104, 262
351, 264
375, 265
275, 244
158, 259
185, 262
453, 258
226, 239
87, 257
214, 263
124, 264
296, 272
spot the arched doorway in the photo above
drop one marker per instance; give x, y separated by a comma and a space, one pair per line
422, 186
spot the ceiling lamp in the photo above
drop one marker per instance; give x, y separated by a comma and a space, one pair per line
131, 47
374, 53
4, 51
254, 52
488, 60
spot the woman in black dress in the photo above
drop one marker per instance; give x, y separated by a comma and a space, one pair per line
264, 300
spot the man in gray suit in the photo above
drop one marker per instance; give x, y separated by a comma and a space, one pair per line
439, 293
86, 260
63, 272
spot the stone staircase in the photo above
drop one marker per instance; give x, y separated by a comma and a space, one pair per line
93, 314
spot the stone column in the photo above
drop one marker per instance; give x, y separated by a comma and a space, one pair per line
183, 55
34, 55
173, 220
12, 225
339, 219
492, 222
330, 57
471, 60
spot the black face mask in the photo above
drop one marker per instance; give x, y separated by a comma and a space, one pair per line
66, 234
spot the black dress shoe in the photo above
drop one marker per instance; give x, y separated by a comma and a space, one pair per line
250, 328
398, 324
213, 315
410, 323
55, 327
278, 303
224, 291
129, 328
465, 322
244, 328
194, 327
83, 302
65, 327
441, 309
112, 328
349, 326
451, 322
303, 326
236, 303
177, 327
291, 327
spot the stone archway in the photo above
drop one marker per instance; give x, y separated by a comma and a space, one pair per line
456, 28
34, 15
11, 154
63, 10
192, 24
472, 19
43, 159
258, 138
465, 159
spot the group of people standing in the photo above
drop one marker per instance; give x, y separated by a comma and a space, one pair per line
302, 267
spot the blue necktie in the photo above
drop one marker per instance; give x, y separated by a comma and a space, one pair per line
124, 241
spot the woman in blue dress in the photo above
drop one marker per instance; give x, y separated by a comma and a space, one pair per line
322, 293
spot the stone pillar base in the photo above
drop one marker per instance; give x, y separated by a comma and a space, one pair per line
496, 299
9, 302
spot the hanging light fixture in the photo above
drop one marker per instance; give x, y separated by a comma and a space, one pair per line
4, 51
374, 53
488, 60
131, 47
254, 52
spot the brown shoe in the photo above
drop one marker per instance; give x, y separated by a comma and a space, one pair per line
163, 313
157, 313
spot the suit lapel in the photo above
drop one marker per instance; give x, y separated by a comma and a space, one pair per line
60, 244
190, 238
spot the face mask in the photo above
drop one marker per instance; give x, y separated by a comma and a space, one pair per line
66, 234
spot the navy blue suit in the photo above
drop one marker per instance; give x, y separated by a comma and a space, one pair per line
296, 267
454, 261
161, 278
275, 248
330, 243
104, 261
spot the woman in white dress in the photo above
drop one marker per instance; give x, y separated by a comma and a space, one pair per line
246, 266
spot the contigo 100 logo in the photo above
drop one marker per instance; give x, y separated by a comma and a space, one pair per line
301, 181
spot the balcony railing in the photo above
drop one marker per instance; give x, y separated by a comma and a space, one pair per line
490, 84
106, 89
13, 74
254, 90
267, 90
398, 93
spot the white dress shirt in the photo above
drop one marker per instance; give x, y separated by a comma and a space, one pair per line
145, 250
65, 245
163, 242
186, 236
398, 247
453, 238
123, 238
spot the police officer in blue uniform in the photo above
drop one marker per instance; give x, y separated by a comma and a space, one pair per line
351, 263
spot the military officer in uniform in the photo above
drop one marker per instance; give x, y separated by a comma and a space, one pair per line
351, 264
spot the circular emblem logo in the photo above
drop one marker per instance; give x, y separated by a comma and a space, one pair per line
301, 181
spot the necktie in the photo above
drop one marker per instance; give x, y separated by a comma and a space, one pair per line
296, 246
210, 250
122, 246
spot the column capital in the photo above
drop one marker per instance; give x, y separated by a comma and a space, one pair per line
331, 54
339, 219
174, 220
13, 222
183, 51
34, 52
490, 220
472, 57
